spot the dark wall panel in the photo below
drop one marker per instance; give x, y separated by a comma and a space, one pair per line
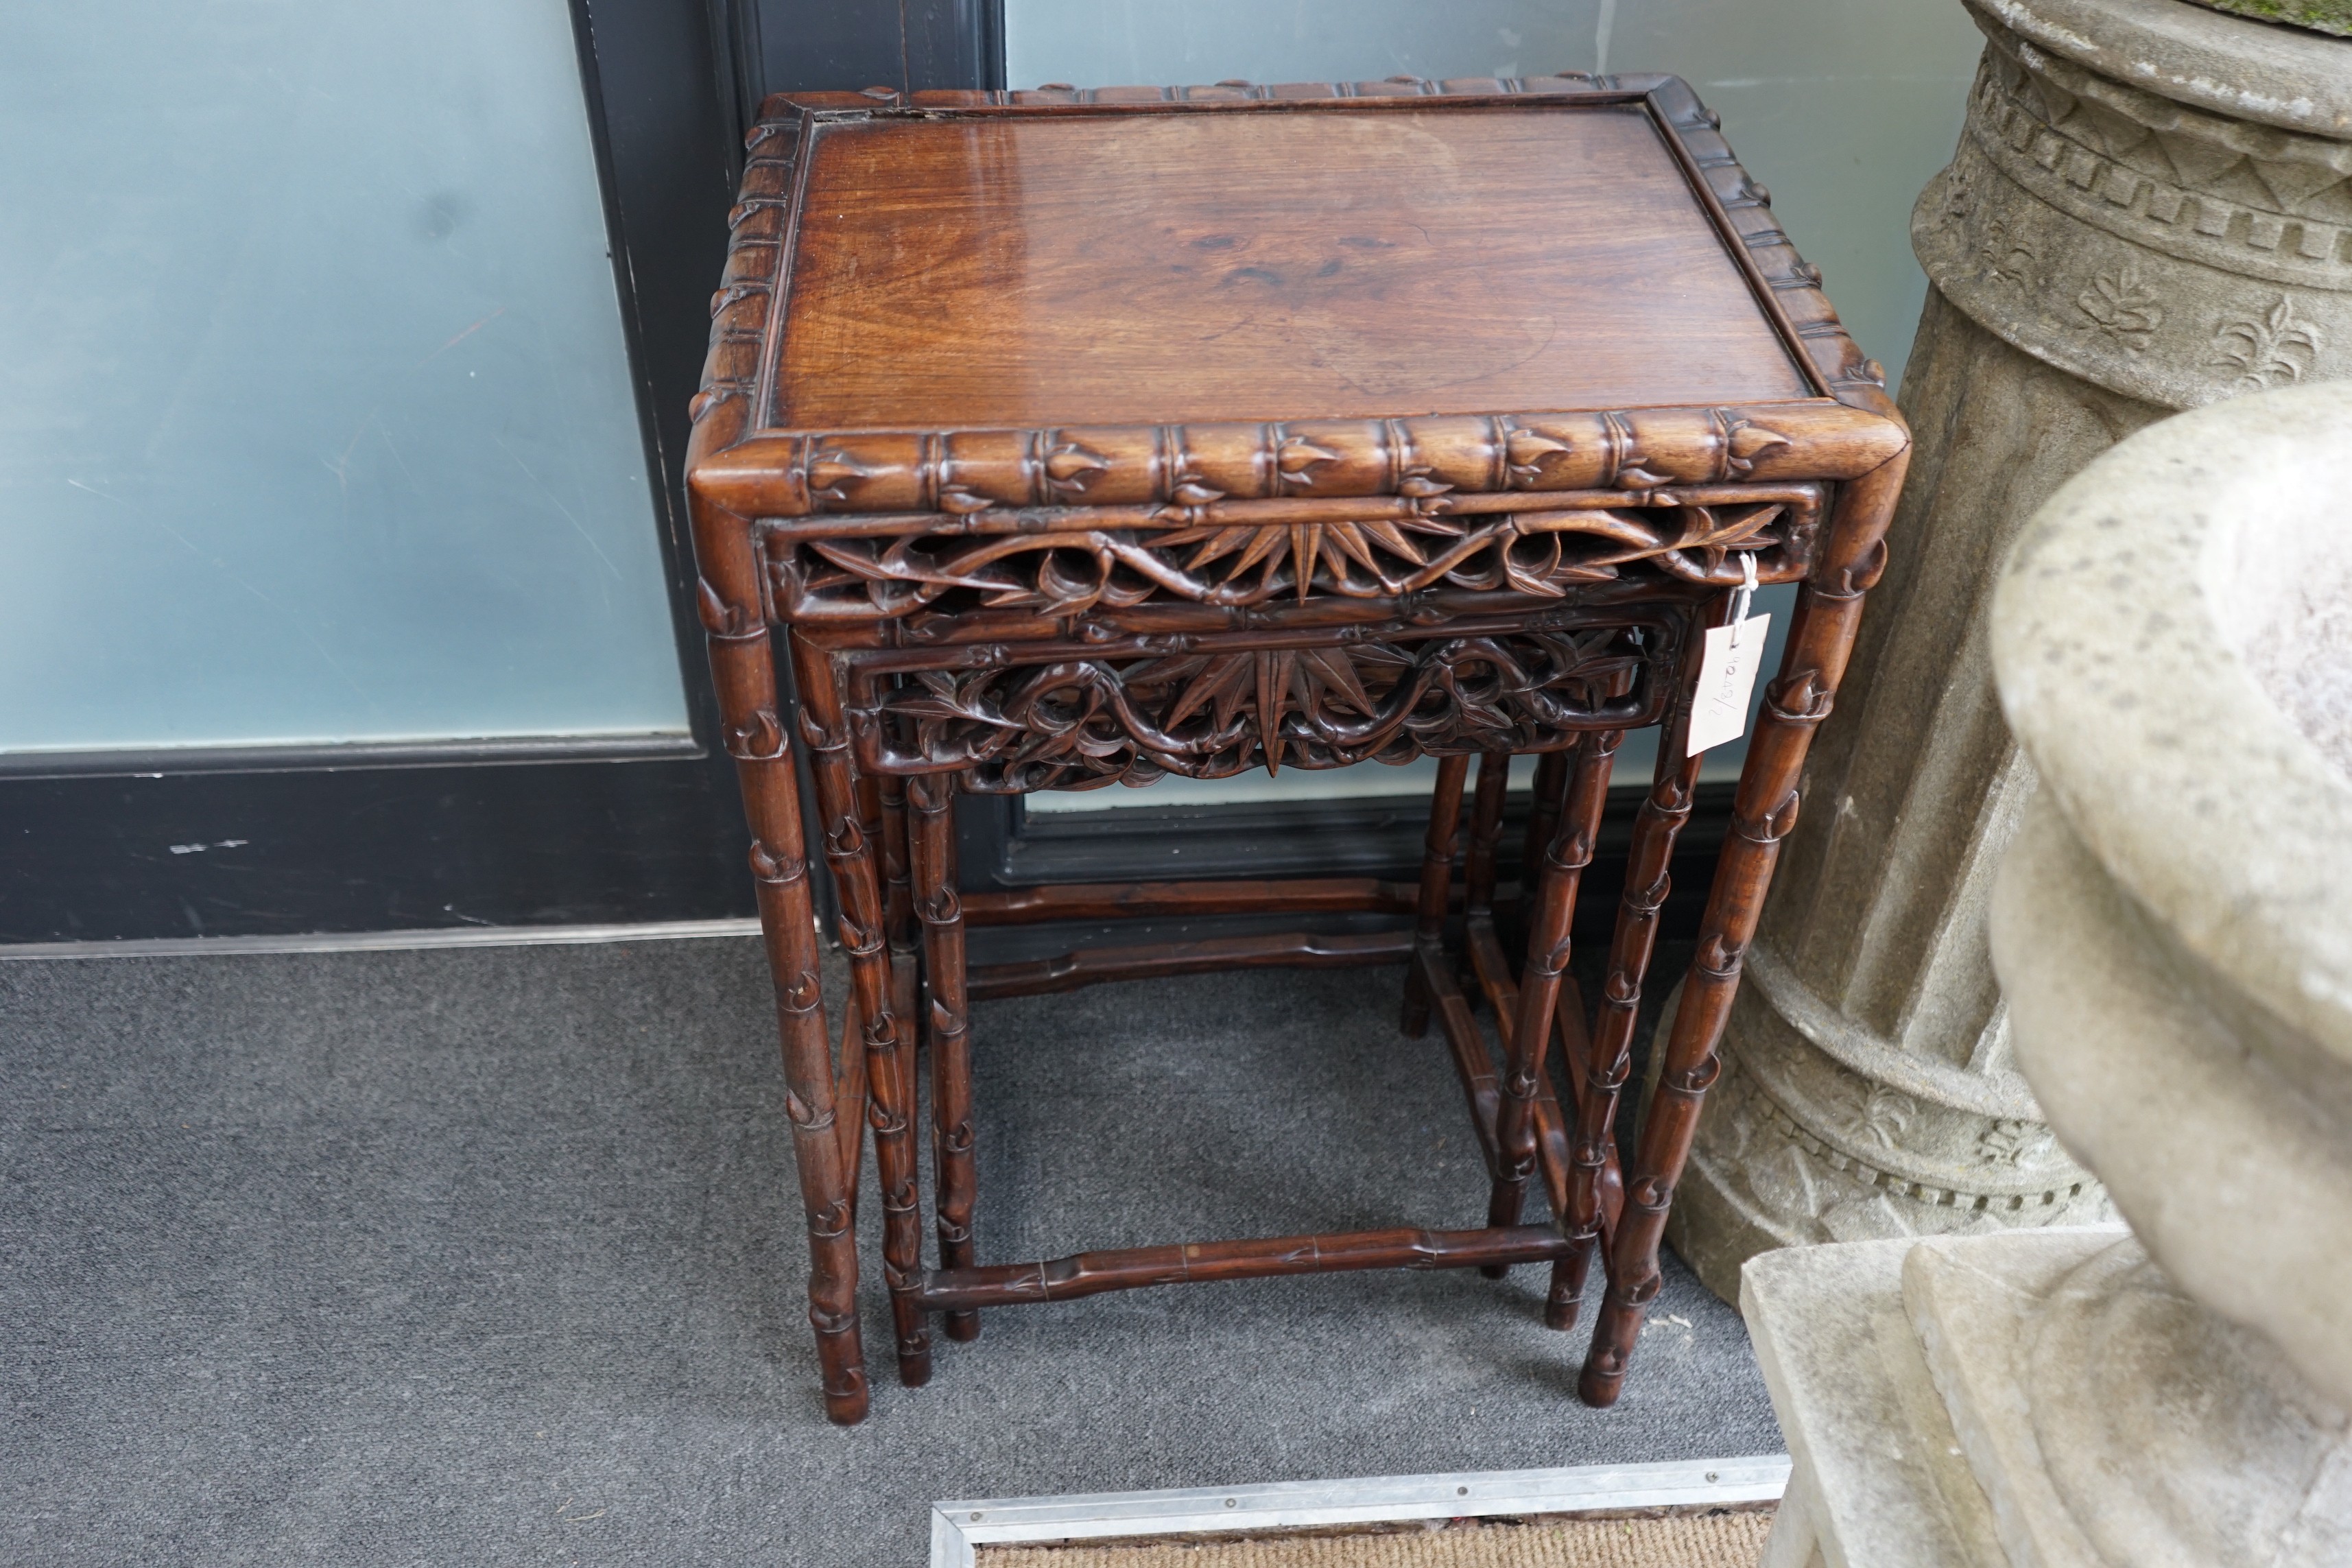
800, 46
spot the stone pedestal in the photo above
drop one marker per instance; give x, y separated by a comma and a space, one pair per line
2172, 644
1932, 1394
2150, 210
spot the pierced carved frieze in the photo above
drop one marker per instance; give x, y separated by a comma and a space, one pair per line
1070, 563
1212, 706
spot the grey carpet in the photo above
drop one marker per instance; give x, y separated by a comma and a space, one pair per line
492, 1257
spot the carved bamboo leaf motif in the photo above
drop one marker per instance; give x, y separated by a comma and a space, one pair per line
1274, 672
1751, 442
1338, 677
1525, 452
1069, 466
831, 472
1214, 681
1297, 458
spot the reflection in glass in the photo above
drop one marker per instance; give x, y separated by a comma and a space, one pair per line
317, 423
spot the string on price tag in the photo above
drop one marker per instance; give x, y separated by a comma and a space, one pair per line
1727, 669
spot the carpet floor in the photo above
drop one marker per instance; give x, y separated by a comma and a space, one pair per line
492, 1255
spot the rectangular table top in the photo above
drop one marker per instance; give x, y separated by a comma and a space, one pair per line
946, 302
1338, 262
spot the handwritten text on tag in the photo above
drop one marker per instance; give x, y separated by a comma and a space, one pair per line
1726, 678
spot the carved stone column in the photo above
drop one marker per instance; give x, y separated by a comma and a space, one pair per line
2150, 209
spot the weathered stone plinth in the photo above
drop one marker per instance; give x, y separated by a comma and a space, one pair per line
2150, 210
1933, 1394
2172, 641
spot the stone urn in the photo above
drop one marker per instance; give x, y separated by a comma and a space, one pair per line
2172, 927
2150, 209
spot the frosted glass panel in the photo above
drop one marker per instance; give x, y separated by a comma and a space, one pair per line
1844, 108
316, 421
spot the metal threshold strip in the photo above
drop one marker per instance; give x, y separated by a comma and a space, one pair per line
960, 1529
384, 941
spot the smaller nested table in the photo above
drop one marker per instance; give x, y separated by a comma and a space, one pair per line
1080, 438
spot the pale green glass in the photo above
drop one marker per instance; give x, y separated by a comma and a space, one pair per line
316, 416
1844, 108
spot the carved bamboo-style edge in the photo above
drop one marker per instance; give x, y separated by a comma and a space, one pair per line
1635, 451
767, 471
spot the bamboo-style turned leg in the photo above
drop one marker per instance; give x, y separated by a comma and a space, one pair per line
1552, 912
893, 1108
1436, 885
1543, 816
1479, 873
755, 737
1655, 829
788, 925
930, 800
902, 1205
1690, 1067
1486, 832
898, 906
1820, 637
850, 852
898, 887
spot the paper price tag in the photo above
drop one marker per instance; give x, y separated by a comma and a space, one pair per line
1727, 679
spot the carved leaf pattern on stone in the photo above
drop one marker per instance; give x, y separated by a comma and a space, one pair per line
2012, 259
2120, 305
1885, 1115
1960, 193
1795, 1175
2010, 1142
2270, 348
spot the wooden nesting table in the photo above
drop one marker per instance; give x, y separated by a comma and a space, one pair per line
1077, 438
